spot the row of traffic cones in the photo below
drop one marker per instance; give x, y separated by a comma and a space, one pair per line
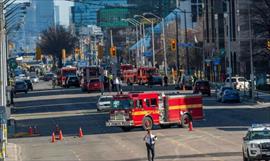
59, 132
32, 131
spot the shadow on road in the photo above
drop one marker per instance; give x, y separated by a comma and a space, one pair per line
94, 122
207, 155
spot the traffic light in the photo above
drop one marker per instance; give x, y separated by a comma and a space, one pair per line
38, 54
113, 51
268, 44
100, 52
63, 54
173, 45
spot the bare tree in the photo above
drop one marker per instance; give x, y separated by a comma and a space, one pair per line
53, 40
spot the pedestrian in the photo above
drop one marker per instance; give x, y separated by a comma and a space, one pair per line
117, 84
150, 140
101, 80
166, 81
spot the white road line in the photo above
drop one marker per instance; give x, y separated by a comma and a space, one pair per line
76, 155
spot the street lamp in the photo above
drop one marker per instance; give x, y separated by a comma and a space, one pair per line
153, 36
137, 38
164, 39
142, 36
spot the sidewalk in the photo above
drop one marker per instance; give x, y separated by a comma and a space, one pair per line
13, 152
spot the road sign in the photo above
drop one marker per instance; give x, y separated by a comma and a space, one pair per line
148, 53
217, 61
186, 45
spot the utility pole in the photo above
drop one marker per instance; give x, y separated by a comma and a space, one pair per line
251, 53
164, 47
229, 43
177, 41
186, 40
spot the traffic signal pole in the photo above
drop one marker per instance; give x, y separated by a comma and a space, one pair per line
177, 41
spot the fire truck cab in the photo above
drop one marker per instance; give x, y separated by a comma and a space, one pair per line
148, 109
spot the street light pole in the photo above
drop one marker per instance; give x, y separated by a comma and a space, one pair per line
251, 53
153, 36
164, 39
186, 40
229, 43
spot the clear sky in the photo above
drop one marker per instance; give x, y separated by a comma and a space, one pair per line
64, 9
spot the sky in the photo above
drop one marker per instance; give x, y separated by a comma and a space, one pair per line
64, 9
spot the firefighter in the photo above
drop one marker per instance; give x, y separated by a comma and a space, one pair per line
150, 140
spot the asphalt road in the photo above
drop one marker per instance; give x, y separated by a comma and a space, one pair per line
217, 138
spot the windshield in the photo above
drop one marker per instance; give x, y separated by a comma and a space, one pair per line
122, 104
265, 134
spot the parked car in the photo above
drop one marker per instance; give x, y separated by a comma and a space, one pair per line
94, 85
202, 86
239, 83
34, 79
48, 76
156, 80
230, 95
72, 81
29, 84
20, 86
256, 143
104, 103
220, 92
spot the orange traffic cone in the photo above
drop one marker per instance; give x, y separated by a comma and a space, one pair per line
80, 132
53, 137
30, 131
190, 126
60, 135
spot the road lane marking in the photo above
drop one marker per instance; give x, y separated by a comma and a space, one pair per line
76, 155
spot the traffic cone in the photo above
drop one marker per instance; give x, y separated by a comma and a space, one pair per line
30, 131
35, 130
60, 135
53, 137
190, 126
80, 132
57, 129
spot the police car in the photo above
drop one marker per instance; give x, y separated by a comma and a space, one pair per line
256, 143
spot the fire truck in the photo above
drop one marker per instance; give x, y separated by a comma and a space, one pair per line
64, 73
140, 75
88, 74
147, 109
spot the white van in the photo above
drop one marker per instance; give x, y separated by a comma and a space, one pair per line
239, 83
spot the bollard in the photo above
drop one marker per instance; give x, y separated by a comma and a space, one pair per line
190, 126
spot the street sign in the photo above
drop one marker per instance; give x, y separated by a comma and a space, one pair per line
217, 61
186, 45
147, 53
229, 70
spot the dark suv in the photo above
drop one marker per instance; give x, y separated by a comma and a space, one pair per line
72, 81
202, 86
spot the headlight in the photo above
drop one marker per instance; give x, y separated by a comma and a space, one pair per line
254, 145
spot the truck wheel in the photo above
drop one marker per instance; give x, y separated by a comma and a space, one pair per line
126, 129
185, 121
147, 123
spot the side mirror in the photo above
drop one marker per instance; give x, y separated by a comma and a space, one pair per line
245, 138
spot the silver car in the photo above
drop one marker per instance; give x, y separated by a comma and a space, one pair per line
104, 103
34, 79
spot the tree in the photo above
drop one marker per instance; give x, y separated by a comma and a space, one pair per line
53, 40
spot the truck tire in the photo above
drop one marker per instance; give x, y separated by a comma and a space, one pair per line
126, 129
185, 120
147, 123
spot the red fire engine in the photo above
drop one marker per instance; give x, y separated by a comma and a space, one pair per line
88, 74
64, 73
148, 109
140, 75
